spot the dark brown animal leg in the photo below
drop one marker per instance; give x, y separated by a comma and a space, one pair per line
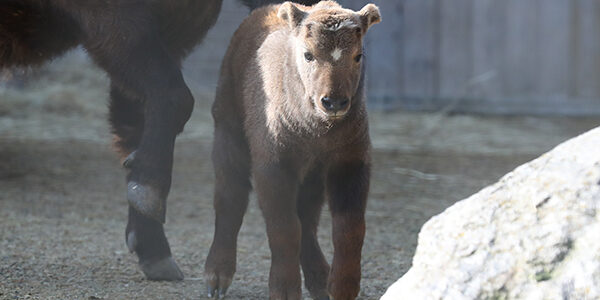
277, 189
126, 117
314, 265
231, 161
347, 186
144, 236
138, 63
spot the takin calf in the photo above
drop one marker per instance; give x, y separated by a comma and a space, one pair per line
290, 111
140, 44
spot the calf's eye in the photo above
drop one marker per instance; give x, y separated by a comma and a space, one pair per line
308, 56
358, 58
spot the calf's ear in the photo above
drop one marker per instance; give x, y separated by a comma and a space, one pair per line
369, 15
291, 14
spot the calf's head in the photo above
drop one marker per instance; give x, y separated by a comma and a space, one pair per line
327, 43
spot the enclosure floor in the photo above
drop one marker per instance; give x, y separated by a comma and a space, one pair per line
63, 207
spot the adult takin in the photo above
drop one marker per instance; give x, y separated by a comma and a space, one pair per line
290, 113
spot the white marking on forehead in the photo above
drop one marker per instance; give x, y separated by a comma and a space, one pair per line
336, 54
340, 25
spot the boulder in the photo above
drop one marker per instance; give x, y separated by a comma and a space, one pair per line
535, 234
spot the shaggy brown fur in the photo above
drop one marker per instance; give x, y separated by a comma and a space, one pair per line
140, 44
290, 110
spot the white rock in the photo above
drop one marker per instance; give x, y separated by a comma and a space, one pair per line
535, 234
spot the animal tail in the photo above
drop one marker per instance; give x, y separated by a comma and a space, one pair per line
32, 32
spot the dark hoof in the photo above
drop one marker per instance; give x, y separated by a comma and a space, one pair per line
128, 162
217, 285
165, 269
146, 238
147, 200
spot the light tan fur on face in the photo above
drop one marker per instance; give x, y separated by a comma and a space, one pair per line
292, 86
333, 36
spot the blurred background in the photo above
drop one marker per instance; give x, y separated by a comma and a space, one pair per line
534, 57
477, 56
460, 92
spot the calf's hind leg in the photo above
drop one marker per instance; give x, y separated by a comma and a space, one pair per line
314, 265
232, 184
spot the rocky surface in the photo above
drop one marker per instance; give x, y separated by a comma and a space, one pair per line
535, 234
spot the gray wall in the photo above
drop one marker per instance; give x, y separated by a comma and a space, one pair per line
491, 56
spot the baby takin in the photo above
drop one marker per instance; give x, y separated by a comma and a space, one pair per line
290, 113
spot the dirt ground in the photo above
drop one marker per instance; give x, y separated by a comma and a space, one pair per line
63, 207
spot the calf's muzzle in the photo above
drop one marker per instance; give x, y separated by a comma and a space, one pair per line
334, 105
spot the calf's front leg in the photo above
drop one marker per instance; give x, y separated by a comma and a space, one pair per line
277, 188
347, 187
314, 265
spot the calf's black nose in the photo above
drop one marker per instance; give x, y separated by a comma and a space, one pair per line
334, 104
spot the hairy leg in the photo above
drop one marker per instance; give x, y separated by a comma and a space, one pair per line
347, 186
314, 266
145, 236
277, 189
141, 70
231, 162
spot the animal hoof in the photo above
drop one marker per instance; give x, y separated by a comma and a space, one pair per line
217, 286
147, 200
165, 269
216, 293
128, 162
